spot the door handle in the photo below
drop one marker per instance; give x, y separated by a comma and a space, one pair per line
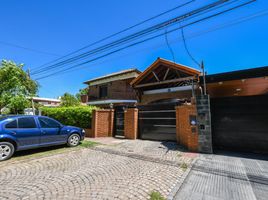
44, 132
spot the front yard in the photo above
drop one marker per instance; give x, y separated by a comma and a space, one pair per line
125, 170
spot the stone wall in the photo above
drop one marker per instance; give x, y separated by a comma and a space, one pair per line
204, 124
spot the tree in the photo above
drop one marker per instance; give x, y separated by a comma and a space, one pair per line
16, 86
69, 100
81, 92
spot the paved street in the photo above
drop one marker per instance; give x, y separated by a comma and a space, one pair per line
128, 170
227, 176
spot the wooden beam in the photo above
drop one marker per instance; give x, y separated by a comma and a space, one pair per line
165, 82
178, 74
156, 77
166, 74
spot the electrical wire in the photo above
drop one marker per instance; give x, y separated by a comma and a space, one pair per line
133, 36
187, 49
120, 32
28, 49
223, 26
120, 49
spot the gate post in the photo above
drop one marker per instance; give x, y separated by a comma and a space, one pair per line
186, 127
131, 123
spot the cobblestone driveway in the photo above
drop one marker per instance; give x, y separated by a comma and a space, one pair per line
130, 170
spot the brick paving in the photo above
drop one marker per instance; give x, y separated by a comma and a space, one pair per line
227, 176
129, 170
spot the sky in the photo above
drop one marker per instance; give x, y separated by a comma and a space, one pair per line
35, 32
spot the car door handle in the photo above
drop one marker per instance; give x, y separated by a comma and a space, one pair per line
44, 132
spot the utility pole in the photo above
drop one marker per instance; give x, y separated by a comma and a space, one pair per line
204, 78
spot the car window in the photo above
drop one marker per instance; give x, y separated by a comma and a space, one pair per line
26, 122
12, 124
48, 123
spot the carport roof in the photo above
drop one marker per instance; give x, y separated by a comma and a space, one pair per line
240, 74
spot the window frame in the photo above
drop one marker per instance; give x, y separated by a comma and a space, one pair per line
101, 87
36, 125
60, 125
16, 120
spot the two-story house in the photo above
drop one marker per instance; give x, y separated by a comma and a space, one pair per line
112, 90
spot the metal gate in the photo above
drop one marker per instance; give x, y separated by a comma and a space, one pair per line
240, 123
157, 121
119, 121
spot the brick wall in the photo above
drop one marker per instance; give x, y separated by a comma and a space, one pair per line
187, 134
131, 123
103, 123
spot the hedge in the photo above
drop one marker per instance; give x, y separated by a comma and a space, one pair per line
79, 116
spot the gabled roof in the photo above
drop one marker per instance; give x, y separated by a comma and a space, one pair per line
133, 74
167, 63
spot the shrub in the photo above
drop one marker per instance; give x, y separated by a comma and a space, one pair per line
79, 116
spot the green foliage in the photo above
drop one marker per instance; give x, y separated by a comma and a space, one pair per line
81, 92
88, 144
68, 100
156, 196
18, 103
15, 86
184, 166
75, 116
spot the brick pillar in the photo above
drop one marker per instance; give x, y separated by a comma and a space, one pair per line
131, 123
187, 133
94, 123
102, 123
111, 123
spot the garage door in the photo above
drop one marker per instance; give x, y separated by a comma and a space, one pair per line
157, 122
240, 123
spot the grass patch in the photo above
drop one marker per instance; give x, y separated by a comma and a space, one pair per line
184, 166
87, 144
154, 195
49, 151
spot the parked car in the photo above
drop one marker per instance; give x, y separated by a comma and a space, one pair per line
27, 132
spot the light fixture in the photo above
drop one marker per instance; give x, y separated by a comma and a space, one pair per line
220, 83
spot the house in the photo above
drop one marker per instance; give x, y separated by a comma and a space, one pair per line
239, 110
229, 112
112, 90
47, 102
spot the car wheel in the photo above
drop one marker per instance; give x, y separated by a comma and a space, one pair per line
6, 150
73, 140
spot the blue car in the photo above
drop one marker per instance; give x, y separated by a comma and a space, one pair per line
27, 132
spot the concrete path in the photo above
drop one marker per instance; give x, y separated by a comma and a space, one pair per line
226, 176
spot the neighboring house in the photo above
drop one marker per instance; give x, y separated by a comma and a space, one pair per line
112, 89
47, 102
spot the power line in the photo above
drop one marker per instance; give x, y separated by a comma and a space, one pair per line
169, 47
27, 48
136, 35
222, 26
120, 32
187, 49
120, 49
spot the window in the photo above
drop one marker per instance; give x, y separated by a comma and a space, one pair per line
48, 123
26, 122
103, 91
12, 124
